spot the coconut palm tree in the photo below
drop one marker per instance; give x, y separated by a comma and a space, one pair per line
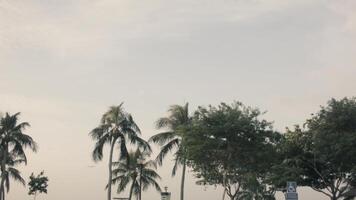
12, 149
138, 172
11, 172
176, 123
116, 127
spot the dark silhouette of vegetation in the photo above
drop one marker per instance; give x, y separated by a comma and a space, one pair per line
13, 143
138, 172
171, 139
117, 127
231, 146
321, 155
37, 184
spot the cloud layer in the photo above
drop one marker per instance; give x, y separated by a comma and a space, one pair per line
62, 63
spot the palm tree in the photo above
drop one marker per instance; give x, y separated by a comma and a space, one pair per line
116, 127
12, 149
139, 172
11, 172
176, 123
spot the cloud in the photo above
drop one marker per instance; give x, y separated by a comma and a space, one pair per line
63, 62
44, 108
82, 27
346, 9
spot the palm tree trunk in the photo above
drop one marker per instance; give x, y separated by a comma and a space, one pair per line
2, 189
334, 197
131, 189
182, 182
140, 182
110, 167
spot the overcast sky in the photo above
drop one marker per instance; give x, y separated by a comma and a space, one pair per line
63, 63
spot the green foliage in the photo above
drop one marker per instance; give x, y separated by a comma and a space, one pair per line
171, 140
175, 125
138, 170
320, 156
13, 143
231, 146
117, 127
38, 184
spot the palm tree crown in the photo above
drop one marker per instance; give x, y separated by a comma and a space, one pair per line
176, 123
139, 172
116, 127
12, 149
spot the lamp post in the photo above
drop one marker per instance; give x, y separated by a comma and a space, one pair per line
165, 195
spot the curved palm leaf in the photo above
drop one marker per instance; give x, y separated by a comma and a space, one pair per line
13, 143
117, 127
177, 122
135, 171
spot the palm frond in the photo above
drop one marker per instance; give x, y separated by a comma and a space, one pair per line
141, 143
7, 182
162, 138
163, 122
175, 166
166, 149
16, 175
97, 154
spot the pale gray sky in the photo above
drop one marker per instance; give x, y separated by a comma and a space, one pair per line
62, 63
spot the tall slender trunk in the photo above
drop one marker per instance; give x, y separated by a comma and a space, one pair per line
110, 167
140, 182
3, 169
2, 188
131, 189
182, 182
223, 197
333, 197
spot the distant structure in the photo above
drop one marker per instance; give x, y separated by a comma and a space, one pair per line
165, 195
291, 193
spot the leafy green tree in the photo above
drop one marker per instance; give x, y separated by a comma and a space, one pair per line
231, 146
138, 172
12, 149
38, 184
175, 125
117, 127
321, 155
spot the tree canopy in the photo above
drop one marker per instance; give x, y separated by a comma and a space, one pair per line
138, 172
320, 155
38, 184
229, 145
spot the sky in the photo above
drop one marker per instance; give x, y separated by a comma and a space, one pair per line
63, 63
